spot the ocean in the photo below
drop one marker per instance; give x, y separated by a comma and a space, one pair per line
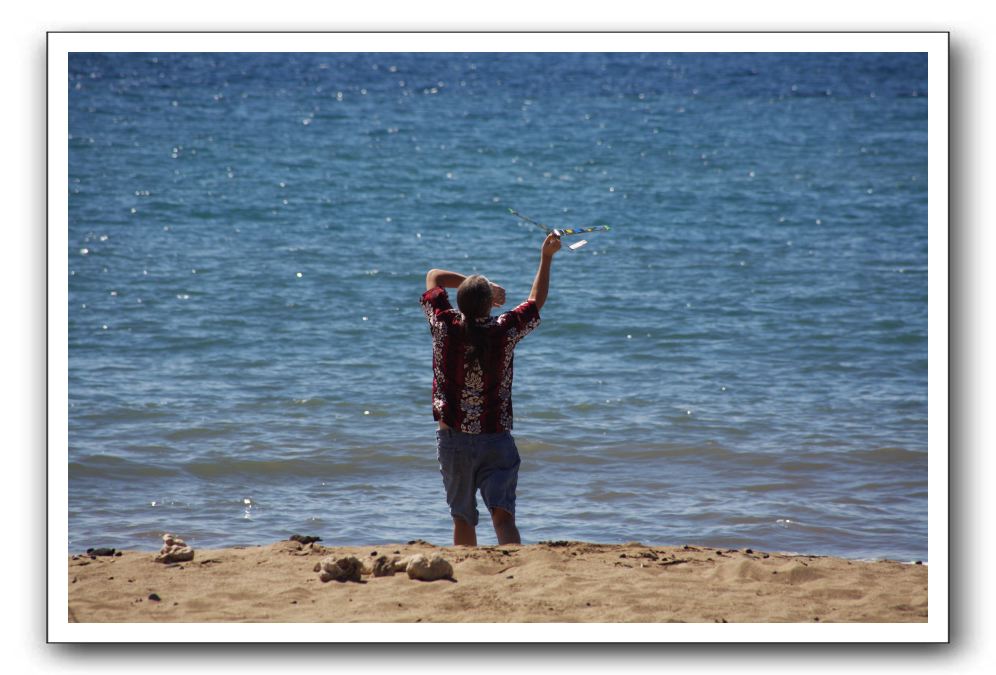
741, 361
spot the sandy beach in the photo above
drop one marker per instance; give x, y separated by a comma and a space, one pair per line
546, 582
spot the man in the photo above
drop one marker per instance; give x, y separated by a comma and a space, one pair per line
472, 392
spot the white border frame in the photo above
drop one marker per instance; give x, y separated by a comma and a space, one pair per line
935, 44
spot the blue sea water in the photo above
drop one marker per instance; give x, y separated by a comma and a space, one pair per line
740, 361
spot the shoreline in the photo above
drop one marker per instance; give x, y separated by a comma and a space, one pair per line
442, 547
556, 581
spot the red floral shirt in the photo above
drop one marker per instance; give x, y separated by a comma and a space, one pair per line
467, 396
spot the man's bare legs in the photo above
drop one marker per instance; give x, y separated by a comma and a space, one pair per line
505, 528
464, 534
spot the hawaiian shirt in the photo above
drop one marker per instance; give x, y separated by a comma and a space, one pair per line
467, 395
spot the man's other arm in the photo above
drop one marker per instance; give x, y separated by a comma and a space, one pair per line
443, 278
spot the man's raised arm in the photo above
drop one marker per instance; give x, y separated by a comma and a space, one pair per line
541, 284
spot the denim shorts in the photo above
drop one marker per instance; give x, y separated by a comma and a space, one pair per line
472, 462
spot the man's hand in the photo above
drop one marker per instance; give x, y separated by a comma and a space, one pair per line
497, 295
550, 245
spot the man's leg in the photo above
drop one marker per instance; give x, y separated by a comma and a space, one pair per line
464, 534
505, 528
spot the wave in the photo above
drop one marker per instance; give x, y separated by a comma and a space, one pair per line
107, 466
273, 467
194, 433
710, 455
149, 411
355, 462
889, 455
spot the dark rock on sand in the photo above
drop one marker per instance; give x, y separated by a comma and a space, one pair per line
304, 539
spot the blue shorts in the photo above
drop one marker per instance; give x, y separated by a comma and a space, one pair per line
472, 462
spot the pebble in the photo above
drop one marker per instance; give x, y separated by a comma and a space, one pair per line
386, 567
99, 551
339, 569
429, 569
174, 550
153, 596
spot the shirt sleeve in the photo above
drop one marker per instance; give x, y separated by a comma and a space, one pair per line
435, 301
520, 322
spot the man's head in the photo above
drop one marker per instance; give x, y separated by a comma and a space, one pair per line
474, 297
